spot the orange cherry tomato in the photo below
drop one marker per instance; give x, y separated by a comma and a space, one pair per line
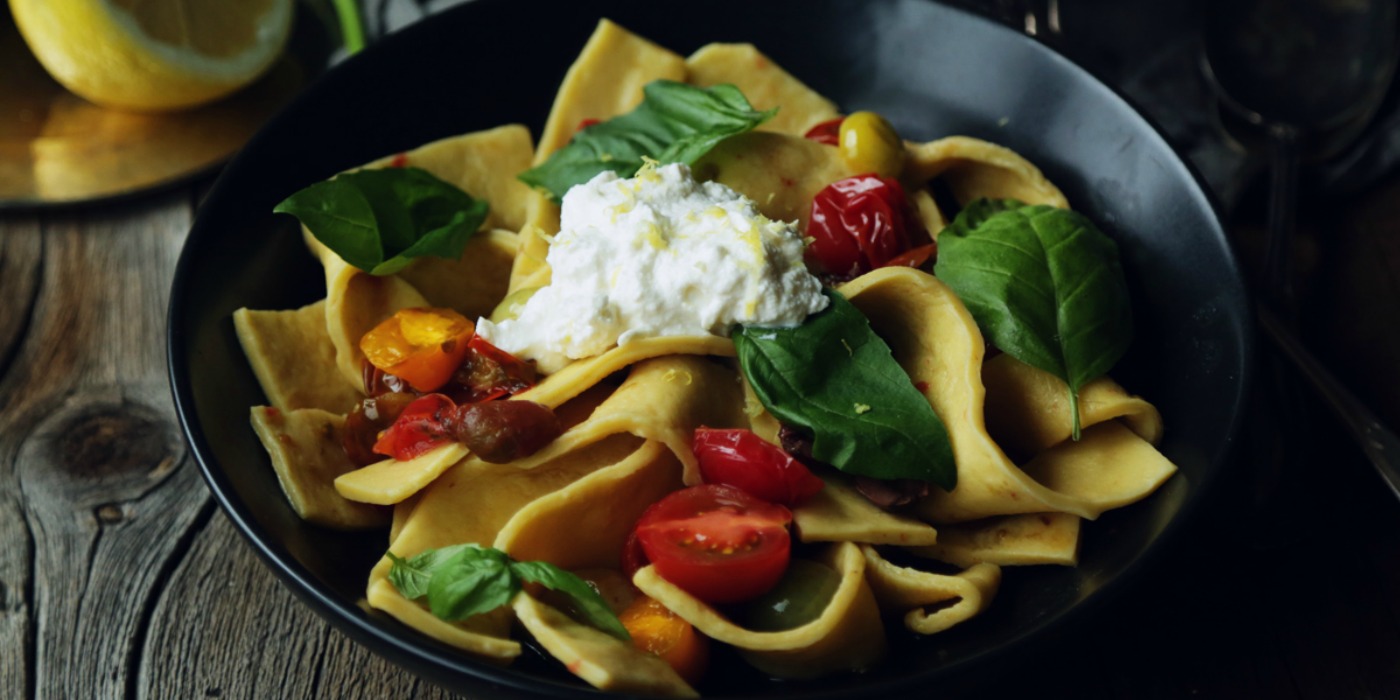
422, 346
657, 630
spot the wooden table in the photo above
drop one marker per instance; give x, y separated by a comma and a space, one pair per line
119, 577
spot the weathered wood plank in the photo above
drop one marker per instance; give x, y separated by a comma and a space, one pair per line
225, 627
21, 257
89, 439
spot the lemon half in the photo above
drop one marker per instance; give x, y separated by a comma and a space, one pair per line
154, 54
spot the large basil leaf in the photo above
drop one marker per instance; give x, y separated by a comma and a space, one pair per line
834, 377
1044, 284
380, 219
463, 580
675, 123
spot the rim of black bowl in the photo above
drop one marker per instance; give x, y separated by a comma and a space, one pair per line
444, 665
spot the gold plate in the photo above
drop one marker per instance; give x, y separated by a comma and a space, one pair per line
57, 148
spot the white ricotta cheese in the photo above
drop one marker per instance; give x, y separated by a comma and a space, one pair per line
659, 254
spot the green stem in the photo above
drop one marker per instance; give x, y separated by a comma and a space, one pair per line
352, 27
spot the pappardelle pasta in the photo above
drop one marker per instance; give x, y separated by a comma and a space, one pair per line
709, 362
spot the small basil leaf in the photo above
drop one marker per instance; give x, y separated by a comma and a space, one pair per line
463, 589
1044, 284
675, 123
463, 580
380, 219
833, 376
585, 598
411, 575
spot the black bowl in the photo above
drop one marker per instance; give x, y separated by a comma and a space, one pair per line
933, 71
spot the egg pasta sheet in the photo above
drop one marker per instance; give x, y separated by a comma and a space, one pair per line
1023, 488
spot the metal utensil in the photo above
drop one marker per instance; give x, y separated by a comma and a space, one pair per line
1381, 445
1311, 74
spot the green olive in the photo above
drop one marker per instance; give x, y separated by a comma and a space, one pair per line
510, 307
800, 597
870, 145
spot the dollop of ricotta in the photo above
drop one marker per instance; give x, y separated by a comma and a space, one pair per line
659, 254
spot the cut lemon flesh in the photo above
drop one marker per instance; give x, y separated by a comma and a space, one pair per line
154, 54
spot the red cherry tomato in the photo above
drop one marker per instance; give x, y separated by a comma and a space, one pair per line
633, 556
423, 425
827, 132
716, 542
858, 224
746, 461
915, 257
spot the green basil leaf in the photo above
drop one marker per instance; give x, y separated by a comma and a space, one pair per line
461, 590
380, 219
675, 123
833, 376
587, 600
411, 575
1044, 284
463, 580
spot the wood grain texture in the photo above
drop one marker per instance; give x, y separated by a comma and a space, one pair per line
21, 255
90, 446
225, 627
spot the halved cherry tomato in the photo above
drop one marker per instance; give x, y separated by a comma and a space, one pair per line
827, 132
858, 224
717, 542
488, 372
657, 630
422, 346
421, 426
746, 461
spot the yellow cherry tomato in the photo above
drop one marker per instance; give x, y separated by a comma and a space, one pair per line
870, 145
420, 346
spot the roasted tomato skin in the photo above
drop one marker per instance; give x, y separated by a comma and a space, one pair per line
717, 542
858, 224
495, 431
488, 372
746, 461
504, 431
370, 417
421, 426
